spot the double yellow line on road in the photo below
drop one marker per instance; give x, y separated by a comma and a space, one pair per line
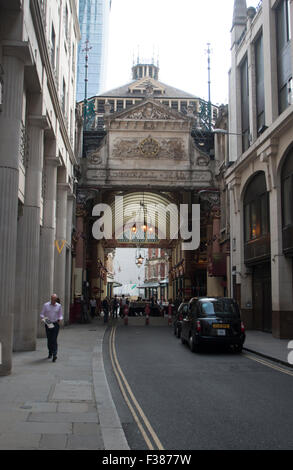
268, 364
140, 418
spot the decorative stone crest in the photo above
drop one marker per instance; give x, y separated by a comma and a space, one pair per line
95, 158
149, 147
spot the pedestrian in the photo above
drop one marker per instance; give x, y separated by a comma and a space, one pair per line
122, 305
105, 305
115, 307
52, 315
93, 304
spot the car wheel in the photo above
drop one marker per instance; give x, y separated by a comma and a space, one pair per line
238, 348
193, 347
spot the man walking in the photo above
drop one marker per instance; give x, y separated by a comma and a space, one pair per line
115, 307
52, 315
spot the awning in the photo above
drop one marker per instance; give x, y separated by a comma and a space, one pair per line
115, 283
149, 284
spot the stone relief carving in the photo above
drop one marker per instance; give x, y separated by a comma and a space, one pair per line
150, 112
173, 148
95, 158
203, 160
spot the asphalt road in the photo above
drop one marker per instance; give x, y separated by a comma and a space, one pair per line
212, 400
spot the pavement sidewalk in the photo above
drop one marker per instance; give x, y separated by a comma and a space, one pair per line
68, 404
61, 405
265, 345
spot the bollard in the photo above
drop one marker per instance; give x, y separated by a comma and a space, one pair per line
126, 315
169, 314
147, 314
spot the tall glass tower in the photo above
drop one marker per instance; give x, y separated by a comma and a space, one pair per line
94, 26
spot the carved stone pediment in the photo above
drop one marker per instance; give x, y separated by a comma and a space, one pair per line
149, 110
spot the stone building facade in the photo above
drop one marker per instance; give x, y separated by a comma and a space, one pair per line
150, 143
260, 181
38, 45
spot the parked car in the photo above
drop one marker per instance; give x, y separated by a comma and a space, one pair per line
177, 323
213, 320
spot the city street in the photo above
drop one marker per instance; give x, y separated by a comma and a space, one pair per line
212, 400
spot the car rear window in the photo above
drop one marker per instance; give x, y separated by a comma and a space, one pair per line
219, 307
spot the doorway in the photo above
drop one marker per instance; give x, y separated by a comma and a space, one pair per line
262, 297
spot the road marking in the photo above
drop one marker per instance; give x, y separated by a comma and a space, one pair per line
268, 364
119, 374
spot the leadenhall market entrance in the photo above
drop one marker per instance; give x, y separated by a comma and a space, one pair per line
149, 146
257, 251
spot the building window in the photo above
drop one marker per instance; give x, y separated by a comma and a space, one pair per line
256, 209
101, 106
284, 54
174, 105
259, 78
119, 105
244, 104
112, 103
183, 107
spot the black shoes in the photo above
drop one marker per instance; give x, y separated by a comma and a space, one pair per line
50, 355
54, 359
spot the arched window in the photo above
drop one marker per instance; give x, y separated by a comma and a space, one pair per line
256, 209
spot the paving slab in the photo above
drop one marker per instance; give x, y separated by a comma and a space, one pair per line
40, 407
19, 441
43, 428
68, 407
86, 429
69, 390
81, 442
63, 417
53, 442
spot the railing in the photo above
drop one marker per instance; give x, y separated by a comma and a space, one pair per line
259, 6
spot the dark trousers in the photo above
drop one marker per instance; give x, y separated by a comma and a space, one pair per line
115, 312
52, 334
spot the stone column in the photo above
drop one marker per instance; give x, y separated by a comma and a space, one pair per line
10, 139
28, 243
47, 238
68, 269
60, 242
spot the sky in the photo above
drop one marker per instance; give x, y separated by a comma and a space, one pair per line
126, 271
176, 31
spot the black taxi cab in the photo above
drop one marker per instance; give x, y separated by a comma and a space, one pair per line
213, 320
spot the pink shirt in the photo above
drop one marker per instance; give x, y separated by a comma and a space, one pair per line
53, 312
